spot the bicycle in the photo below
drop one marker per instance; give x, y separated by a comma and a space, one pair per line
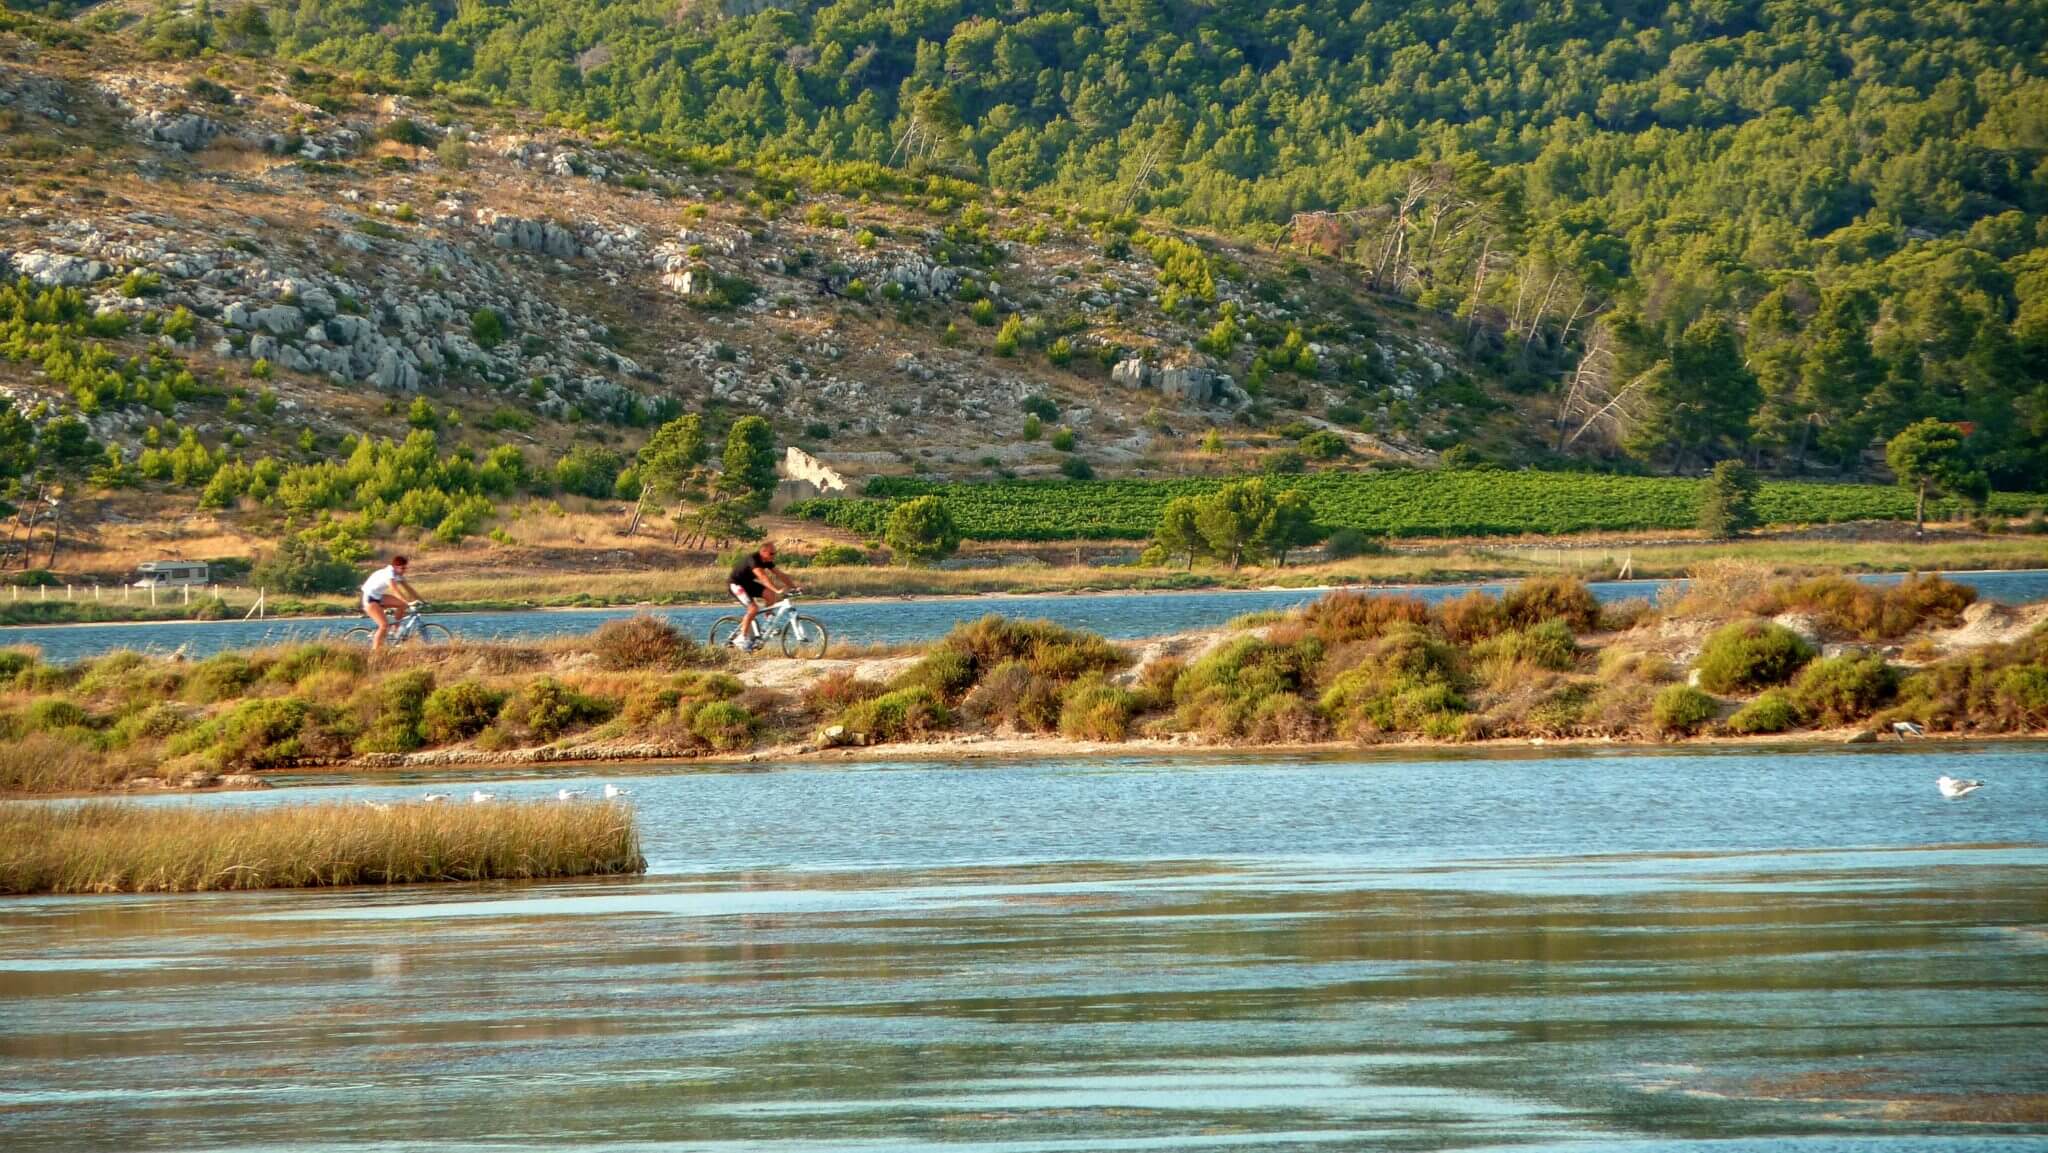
411, 627
802, 636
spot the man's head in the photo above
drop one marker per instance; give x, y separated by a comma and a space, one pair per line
398, 565
766, 551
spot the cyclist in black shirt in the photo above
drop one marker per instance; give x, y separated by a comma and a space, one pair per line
755, 581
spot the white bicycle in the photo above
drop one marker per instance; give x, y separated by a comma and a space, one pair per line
802, 636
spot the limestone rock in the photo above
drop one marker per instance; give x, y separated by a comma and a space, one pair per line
54, 269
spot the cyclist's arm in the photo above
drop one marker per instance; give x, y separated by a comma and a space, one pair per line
412, 596
774, 579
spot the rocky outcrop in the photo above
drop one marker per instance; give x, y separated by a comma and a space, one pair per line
1188, 383
522, 235
55, 269
186, 131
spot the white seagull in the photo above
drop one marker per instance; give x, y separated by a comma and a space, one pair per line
612, 792
1952, 787
1905, 729
478, 796
567, 794
435, 797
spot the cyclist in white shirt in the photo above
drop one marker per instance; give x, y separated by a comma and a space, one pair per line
379, 597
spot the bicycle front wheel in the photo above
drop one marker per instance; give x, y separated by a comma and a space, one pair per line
434, 635
723, 630
805, 637
359, 635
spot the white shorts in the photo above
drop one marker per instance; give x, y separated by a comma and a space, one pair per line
740, 594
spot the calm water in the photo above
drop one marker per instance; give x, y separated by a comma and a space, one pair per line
1726, 951
1122, 615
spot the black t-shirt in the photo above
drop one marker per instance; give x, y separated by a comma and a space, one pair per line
743, 572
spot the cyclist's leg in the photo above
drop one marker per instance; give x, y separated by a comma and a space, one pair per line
745, 636
375, 611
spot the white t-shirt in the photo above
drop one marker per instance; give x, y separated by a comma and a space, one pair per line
380, 583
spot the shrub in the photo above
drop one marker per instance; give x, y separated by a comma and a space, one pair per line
1346, 543
913, 711
397, 706
640, 641
1012, 695
1773, 712
1512, 654
1728, 507
1847, 608
723, 725
1323, 444
839, 555
1062, 439
835, 691
1532, 602
1469, 618
1841, 690
254, 734
1681, 710
459, 711
1751, 655
1220, 694
304, 661
548, 708
1033, 427
220, 677
1076, 468
1040, 406
302, 566
1404, 679
921, 531
1348, 616
48, 714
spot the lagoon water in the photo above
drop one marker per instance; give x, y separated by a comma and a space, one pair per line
908, 620
1729, 950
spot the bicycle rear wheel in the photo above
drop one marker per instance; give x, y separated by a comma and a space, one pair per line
434, 635
722, 631
805, 637
359, 635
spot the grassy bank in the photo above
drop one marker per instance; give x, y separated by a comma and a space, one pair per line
1543, 661
124, 848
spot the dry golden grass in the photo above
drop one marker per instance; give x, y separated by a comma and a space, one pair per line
109, 847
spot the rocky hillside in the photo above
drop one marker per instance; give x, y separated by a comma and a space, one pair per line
334, 254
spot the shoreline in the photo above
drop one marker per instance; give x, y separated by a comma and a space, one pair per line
1319, 589
1025, 748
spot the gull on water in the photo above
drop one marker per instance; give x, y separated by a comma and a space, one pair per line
611, 791
478, 796
1953, 787
435, 797
567, 794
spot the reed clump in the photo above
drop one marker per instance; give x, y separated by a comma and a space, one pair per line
116, 847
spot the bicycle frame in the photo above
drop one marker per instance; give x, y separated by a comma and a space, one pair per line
771, 621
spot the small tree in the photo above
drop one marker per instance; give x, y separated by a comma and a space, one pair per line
421, 414
1010, 336
405, 131
921, 531
1729, 506
750, 455
670, 458
1929, 455
487, 326
302, 567
1180, 532
1235, 520
1291, 524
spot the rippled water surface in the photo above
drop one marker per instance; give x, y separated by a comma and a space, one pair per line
1120, 615
1730, 951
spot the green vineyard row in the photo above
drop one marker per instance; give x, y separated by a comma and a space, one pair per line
1407, 503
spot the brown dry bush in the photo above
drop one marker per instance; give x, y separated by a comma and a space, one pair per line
1534, 601
640, 642
1847, 608
1351, 616
838, 689
1470, 618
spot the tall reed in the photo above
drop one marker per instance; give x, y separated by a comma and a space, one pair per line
113, 847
